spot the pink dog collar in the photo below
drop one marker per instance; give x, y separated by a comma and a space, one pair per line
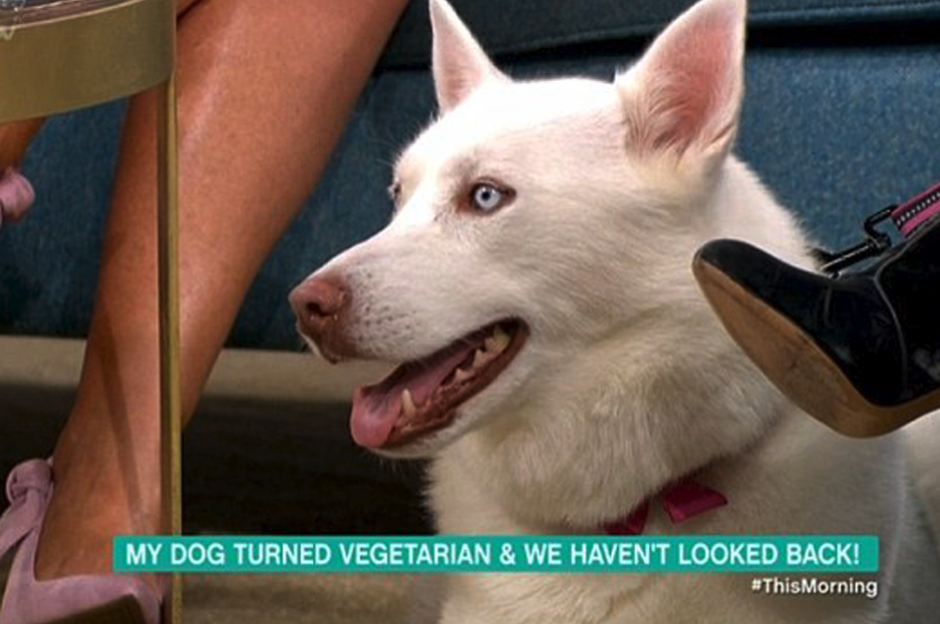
681, 500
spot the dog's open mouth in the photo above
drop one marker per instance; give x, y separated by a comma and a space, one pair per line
421, 397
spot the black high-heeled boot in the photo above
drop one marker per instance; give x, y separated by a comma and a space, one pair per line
859, 352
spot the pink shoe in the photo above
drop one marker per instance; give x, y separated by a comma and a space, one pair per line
16, 195
81, 599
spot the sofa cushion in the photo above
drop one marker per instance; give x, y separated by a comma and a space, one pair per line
837, 133
520, 26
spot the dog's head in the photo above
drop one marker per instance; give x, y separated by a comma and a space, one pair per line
541, 241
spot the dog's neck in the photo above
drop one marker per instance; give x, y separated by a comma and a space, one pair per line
555, 463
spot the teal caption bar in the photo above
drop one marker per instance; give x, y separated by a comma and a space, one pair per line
474, 554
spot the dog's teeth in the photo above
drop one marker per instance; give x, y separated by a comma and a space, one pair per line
408, 403
480, 358
498, 341
462, 375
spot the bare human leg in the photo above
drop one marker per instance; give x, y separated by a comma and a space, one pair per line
14, 139
265, 88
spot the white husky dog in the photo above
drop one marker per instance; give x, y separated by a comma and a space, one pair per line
559, 364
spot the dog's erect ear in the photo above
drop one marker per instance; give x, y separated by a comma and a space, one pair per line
685, 93
459, 63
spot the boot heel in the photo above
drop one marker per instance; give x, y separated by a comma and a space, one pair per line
794, 362
858, 351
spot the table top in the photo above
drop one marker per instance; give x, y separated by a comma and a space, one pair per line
59, 55
21, 12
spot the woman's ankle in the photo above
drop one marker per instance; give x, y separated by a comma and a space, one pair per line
90, 505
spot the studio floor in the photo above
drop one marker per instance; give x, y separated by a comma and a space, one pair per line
268, 453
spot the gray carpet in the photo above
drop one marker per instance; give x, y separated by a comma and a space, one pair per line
295, 599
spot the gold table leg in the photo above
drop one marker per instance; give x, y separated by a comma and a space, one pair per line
170, 402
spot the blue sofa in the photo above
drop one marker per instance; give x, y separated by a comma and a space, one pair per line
841, 118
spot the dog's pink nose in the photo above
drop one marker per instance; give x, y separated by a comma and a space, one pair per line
317, 300
319, 304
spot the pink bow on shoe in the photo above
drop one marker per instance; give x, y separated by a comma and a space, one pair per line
28, 488
16, 195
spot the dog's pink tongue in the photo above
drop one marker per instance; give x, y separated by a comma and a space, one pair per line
16, 195
376, 409
373, 416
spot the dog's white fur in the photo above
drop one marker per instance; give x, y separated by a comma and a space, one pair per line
627, 380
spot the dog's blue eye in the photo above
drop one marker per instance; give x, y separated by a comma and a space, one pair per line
487, 197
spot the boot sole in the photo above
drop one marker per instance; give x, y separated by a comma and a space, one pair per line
124, 610
798, 366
